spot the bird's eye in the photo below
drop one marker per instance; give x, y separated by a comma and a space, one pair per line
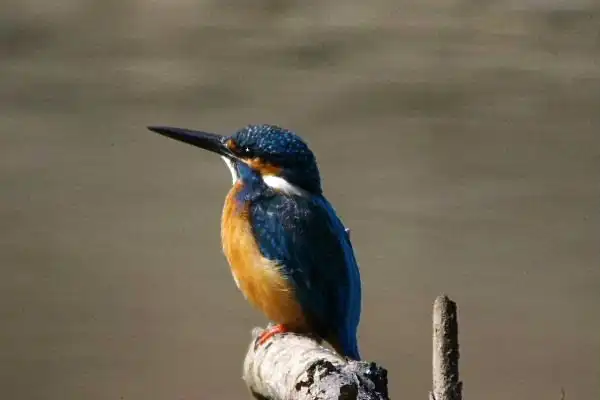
246, 152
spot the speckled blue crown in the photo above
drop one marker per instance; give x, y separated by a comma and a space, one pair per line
284, 149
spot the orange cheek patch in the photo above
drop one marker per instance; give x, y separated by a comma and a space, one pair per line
262, 167
231, 145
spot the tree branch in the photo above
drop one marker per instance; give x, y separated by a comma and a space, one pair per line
295, 367
446, 383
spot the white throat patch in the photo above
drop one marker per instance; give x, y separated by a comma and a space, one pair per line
232, 169
280, 184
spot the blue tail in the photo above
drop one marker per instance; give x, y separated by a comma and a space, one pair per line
350, 349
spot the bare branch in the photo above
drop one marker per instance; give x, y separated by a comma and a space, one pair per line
295, 367
446, 383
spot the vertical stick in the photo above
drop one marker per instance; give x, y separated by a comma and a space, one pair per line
446, 383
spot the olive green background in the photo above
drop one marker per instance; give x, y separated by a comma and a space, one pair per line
459, 140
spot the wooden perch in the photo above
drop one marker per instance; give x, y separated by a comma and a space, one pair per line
296, 367
446, 383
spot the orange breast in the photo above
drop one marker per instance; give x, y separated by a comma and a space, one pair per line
259, 279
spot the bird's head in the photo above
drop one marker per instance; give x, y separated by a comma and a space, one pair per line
280, 157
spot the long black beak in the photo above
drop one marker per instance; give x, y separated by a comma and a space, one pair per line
204, 140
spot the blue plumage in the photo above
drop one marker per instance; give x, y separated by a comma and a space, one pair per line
302, 234
306, 238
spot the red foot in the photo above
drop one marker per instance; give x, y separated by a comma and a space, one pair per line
269, 333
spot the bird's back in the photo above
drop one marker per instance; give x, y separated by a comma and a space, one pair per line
304, 236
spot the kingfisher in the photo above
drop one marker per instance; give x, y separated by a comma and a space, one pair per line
289, 253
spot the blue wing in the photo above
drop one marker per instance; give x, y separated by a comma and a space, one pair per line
309, 241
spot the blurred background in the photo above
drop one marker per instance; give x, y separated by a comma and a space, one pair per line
459, 140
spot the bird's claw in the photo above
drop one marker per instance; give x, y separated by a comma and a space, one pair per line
269, 333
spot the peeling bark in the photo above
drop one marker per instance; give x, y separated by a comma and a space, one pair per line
295, 367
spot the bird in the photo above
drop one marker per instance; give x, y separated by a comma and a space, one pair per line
289, 252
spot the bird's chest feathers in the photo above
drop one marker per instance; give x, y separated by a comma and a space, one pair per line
259, 278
